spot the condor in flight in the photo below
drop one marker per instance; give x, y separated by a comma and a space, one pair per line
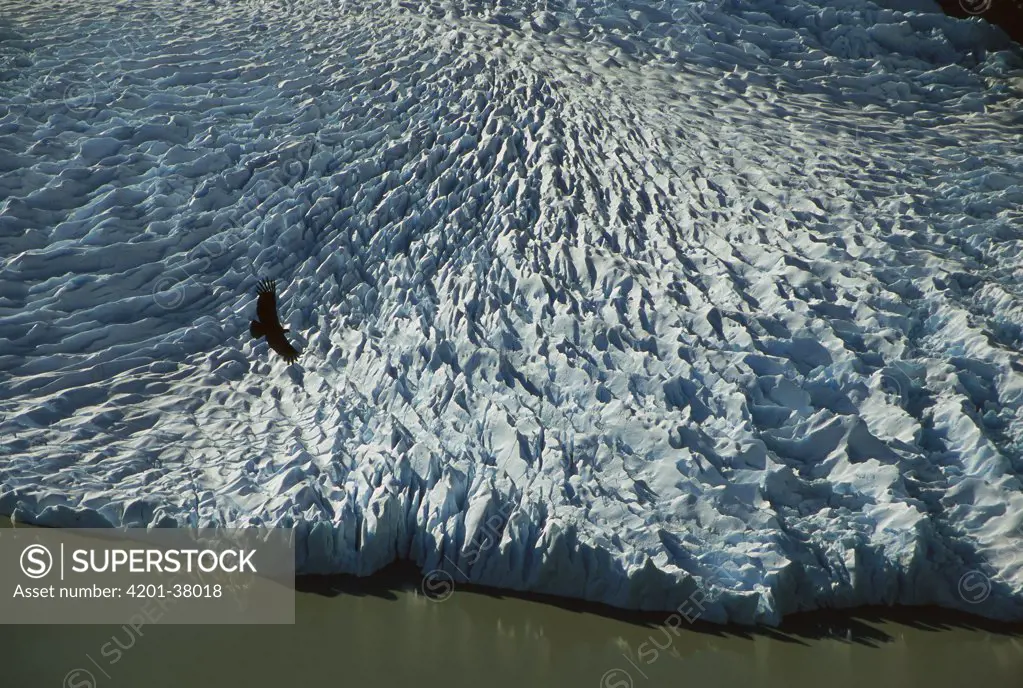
269, 325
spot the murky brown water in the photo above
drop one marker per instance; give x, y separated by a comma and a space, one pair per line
385, 632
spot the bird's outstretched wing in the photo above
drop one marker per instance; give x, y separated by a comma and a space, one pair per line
266, 311
279, 343
266, 305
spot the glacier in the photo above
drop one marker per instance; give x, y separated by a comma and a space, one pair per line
617, 301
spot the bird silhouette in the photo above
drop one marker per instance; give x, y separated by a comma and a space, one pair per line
268, 325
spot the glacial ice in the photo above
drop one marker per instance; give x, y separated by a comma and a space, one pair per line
618, 301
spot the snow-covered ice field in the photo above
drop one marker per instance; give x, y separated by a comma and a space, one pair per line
609, 300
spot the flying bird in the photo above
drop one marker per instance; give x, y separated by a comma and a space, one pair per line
269, 325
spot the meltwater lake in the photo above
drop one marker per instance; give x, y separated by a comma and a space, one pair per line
394, 629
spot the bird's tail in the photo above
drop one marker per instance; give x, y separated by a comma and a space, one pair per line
256, 329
